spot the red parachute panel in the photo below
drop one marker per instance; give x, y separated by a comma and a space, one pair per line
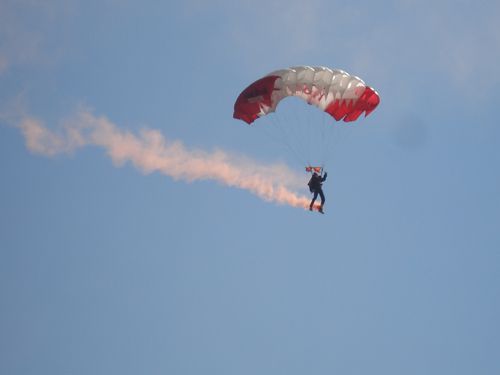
349, 111
250, 101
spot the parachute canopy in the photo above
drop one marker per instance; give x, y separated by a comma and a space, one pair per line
343, 96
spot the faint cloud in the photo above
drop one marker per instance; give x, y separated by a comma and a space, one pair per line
30, 31
455, 42
257, 29
410, 132
458, 42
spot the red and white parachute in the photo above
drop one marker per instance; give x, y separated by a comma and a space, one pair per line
343, 96
335, 92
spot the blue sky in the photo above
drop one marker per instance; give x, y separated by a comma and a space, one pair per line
108, 267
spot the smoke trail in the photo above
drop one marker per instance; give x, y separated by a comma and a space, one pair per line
149, 152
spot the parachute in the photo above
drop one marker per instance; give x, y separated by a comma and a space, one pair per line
342, 96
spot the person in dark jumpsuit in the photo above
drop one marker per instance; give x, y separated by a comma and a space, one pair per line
315, 186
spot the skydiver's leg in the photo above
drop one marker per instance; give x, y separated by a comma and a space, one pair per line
322, 200
322, 196
314, 199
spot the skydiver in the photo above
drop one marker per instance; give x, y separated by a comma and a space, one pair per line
315, 187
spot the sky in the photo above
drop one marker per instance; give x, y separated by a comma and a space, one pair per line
144, 230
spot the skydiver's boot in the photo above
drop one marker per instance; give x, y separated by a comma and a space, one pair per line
311, 207
321, 209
